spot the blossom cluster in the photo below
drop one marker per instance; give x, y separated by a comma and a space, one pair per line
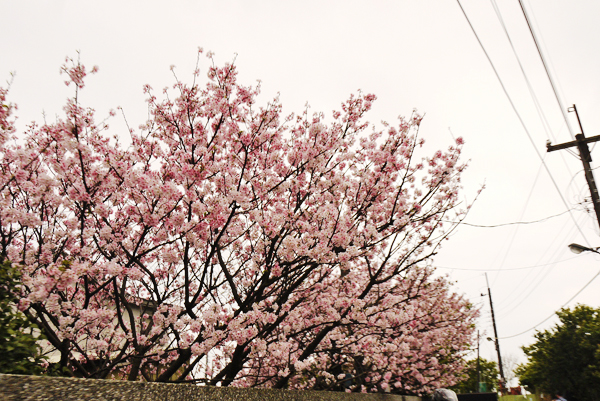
232, 245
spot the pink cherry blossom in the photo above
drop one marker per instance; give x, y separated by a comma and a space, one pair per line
232, 245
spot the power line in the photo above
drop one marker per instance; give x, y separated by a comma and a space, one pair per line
556, 94
513, 223
536, 102
510, 269
535, 282
538, 109
562, 306
515, 232
553, 82
521, 120
531, 139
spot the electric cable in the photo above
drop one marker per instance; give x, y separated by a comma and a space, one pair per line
562, 306
536, 102
534, 283
509, 269
552, 81
549, 134
522, 122
516, 222
516, 230
556, 94
529, 135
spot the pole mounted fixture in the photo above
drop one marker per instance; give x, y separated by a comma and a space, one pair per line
576, 248
584, 153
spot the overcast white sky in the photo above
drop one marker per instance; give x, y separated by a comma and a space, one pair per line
412, 54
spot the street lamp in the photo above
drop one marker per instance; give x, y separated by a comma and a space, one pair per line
576, 248
502, 380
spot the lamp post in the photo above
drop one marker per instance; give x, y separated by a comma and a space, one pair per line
496, 342
576, 248
478, 388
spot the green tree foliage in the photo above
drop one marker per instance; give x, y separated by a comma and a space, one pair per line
489, 375
19, 350
566, 358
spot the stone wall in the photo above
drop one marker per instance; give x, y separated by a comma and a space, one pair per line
40, 388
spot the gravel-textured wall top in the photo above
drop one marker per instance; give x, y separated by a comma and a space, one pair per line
38, 388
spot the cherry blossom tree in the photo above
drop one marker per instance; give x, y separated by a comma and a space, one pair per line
227, 244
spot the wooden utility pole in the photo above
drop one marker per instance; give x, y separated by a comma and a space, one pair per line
584, 153
496, 342
478, 388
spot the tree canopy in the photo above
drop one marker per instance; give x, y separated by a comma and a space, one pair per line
21, 353
566, 358
227, 244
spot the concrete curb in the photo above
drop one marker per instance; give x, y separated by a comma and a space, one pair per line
40, 388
